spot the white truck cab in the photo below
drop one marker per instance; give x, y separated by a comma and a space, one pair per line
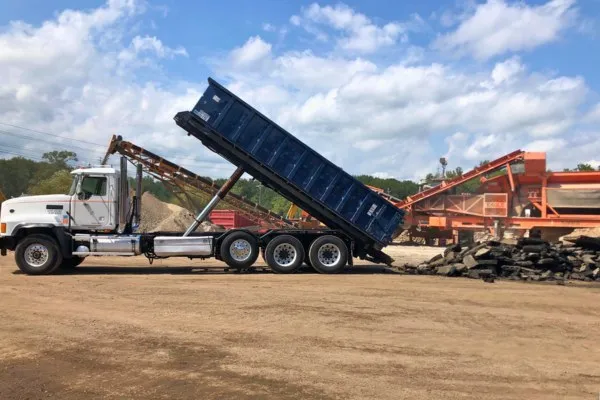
42, 230
90, 205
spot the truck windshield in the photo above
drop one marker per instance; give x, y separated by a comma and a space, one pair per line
73, 185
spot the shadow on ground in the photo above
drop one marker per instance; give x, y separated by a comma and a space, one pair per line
162, 270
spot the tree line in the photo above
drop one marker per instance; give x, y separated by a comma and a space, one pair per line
20, 176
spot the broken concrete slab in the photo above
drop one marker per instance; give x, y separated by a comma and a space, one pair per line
481, 253
470, 261
446, 270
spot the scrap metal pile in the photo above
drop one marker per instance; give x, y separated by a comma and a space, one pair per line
528, 259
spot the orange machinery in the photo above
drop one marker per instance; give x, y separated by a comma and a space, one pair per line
521, 195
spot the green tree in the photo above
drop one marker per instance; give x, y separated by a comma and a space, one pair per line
581, 167
157, 188
59, 182
451, 174
392, 186
584, 167
15, 175
60, 158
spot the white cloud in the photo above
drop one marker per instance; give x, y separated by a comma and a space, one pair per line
546, 145
359, 33
152, 44
369, 144
497, 27
254, 50
377, 111
450, 17
144, 49
76, 76
507, 70
383, 175
456, 144
594, 163
268, 27
580, 147
594, 114
367, 113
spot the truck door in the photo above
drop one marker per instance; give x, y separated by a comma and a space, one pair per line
91, 206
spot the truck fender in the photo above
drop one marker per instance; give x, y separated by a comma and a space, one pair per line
58, 233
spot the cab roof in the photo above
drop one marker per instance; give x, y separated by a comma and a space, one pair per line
95, 170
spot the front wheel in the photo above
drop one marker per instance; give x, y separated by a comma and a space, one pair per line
239, 250
328, 254
38, 255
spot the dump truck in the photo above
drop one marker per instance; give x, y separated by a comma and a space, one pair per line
98, 217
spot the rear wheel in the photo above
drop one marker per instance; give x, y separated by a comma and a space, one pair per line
328, 254
38, 255
239, 250
284, 254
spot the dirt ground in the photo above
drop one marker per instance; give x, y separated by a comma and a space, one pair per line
117, 329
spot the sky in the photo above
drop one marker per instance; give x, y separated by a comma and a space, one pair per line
379, 87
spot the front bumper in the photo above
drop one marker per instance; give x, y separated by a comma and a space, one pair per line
6, 243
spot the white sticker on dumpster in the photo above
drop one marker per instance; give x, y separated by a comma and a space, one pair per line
216, 98
202, 115
372, 210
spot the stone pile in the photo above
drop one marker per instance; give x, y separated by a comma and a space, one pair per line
529, 259
159, 216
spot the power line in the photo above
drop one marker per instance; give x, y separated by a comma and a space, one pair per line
18, 148
51, 134
21, 136
20, 155
33, 155
185, 160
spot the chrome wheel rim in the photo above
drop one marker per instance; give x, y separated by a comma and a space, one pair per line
36, 255
329, 254
285, 254
240, 250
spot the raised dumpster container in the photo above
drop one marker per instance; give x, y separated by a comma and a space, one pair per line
235, 130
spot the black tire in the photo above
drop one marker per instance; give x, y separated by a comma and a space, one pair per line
284, 254
71, 263
38, 247
245, 255
335, 251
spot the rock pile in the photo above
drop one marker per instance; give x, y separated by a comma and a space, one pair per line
158, 216
528, 259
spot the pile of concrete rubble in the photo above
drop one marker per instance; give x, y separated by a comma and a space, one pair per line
527, 259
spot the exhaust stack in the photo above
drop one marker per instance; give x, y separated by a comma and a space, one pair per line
138, 196
123, 196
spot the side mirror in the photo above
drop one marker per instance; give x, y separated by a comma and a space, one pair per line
82, 194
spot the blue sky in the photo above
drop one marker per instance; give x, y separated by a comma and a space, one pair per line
380, 87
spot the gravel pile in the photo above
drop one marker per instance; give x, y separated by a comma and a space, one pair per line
527, 259
158, 216
154, 212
